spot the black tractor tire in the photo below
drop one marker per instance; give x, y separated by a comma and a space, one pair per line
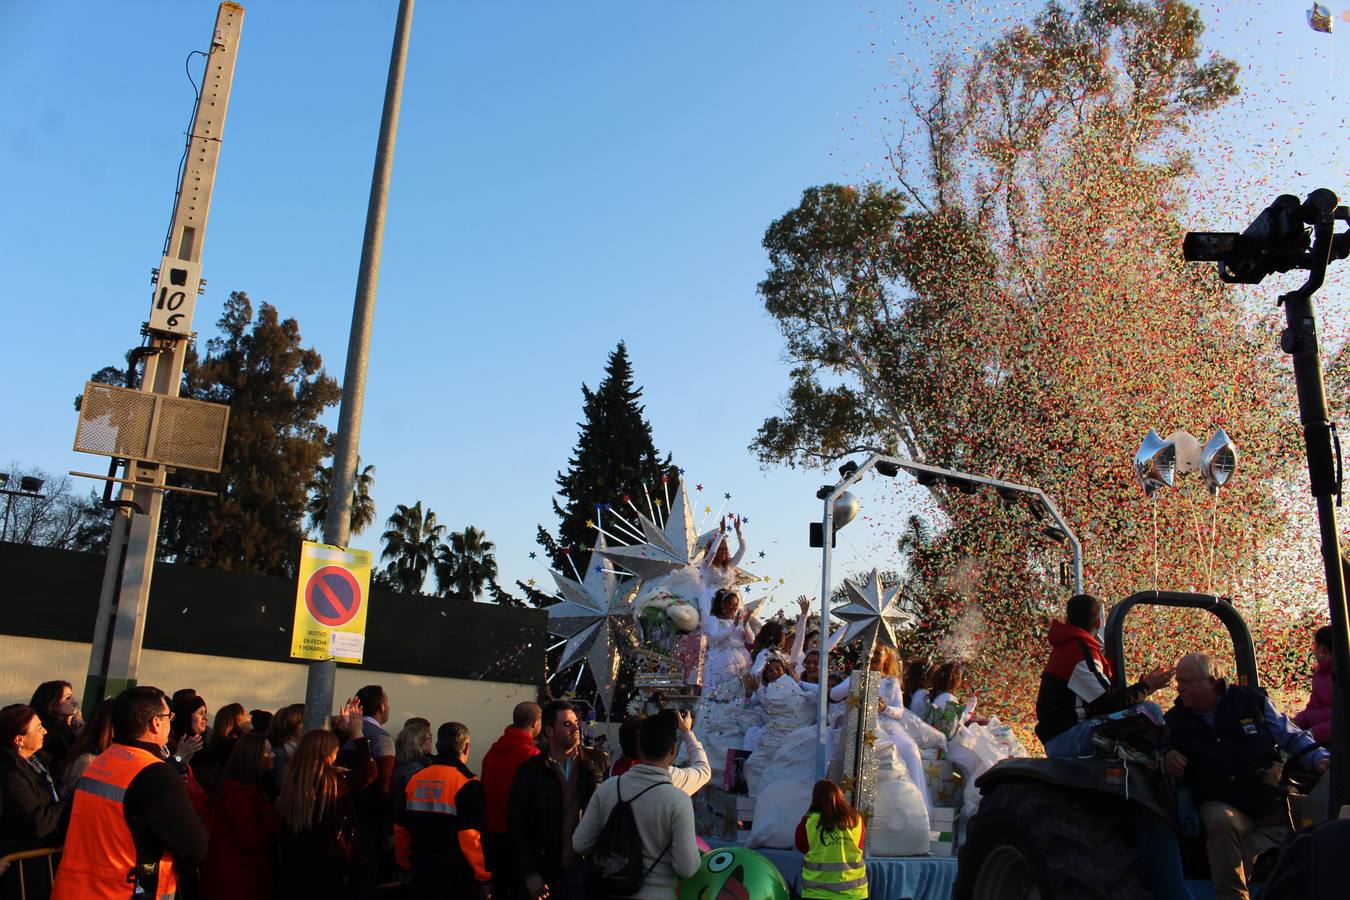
1035, 841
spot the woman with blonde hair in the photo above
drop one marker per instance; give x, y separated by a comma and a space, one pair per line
413, 751
908, 732
319, 833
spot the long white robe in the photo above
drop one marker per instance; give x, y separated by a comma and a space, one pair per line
907, 732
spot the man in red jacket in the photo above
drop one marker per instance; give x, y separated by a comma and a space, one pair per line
1316, 717
1076, 690
516, 745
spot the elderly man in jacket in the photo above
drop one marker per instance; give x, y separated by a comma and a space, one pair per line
1226, 743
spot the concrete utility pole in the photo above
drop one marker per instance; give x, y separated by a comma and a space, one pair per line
116, 652
337, 527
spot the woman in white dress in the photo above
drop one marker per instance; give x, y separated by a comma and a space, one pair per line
717, 571
772, 641
728, 631
787, 705
906, 731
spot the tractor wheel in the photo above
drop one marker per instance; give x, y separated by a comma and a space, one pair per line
1034, 841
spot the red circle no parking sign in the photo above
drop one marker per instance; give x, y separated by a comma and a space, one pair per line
332, 596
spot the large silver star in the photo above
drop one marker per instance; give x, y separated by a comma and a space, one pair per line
596, 617
872, 613
677, 549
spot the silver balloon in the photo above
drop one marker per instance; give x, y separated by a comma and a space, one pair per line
1155, 463
1218, 460
845, 510
1188, 451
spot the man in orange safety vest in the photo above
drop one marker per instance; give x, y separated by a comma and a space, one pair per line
132, 826
439, 831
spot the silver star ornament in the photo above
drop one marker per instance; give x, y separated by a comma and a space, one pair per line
872, 613
596, 617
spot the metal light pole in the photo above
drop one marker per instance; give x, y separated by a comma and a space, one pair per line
337, 527
891, 466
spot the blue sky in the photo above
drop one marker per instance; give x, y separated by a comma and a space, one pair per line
567, 175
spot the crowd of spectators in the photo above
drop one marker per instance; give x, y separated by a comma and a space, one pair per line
156, 794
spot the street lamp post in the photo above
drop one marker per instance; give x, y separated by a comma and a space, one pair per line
29, 486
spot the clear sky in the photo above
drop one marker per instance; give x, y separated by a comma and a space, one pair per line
567, 175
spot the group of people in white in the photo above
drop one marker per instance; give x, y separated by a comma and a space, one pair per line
761, 684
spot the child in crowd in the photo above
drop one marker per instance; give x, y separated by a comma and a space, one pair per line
1316, 716
628, 746
916, 673
772, 639
830, 836
942, 709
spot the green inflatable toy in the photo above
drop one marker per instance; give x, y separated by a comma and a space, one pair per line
734, 873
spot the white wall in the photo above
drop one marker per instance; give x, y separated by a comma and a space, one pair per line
485, 706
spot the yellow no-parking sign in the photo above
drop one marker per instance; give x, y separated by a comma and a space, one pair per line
330, 603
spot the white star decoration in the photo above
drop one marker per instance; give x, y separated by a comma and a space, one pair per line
671, 549
872, 613
596, 617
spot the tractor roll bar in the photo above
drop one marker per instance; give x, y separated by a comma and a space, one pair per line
1244, 652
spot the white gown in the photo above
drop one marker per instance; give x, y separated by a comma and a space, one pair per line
715, 578
726, 657
908, 733
789, 706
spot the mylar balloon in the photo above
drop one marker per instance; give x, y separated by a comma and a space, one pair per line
1218, 460
1155, 463
1188, 451
845, 510
734, 873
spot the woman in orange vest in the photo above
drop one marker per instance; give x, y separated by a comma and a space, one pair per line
831, 837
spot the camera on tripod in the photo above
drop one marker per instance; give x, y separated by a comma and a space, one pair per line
1279, 240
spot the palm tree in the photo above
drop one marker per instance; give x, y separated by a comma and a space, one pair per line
410, 543
465, 566
363, 505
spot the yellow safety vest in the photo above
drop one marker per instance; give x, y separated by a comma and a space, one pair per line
833, 867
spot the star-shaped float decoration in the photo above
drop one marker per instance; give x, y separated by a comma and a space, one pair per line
596, 617
667, 549
872, 613
669, 560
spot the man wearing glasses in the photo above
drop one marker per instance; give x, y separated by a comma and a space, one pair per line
132, 825
548, 796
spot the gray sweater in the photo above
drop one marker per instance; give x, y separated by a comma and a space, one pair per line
665, 819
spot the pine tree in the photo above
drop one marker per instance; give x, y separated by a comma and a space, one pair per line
613, 457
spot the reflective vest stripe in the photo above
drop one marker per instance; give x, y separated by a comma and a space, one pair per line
831, 866
101, 789
434, 806
833, 885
